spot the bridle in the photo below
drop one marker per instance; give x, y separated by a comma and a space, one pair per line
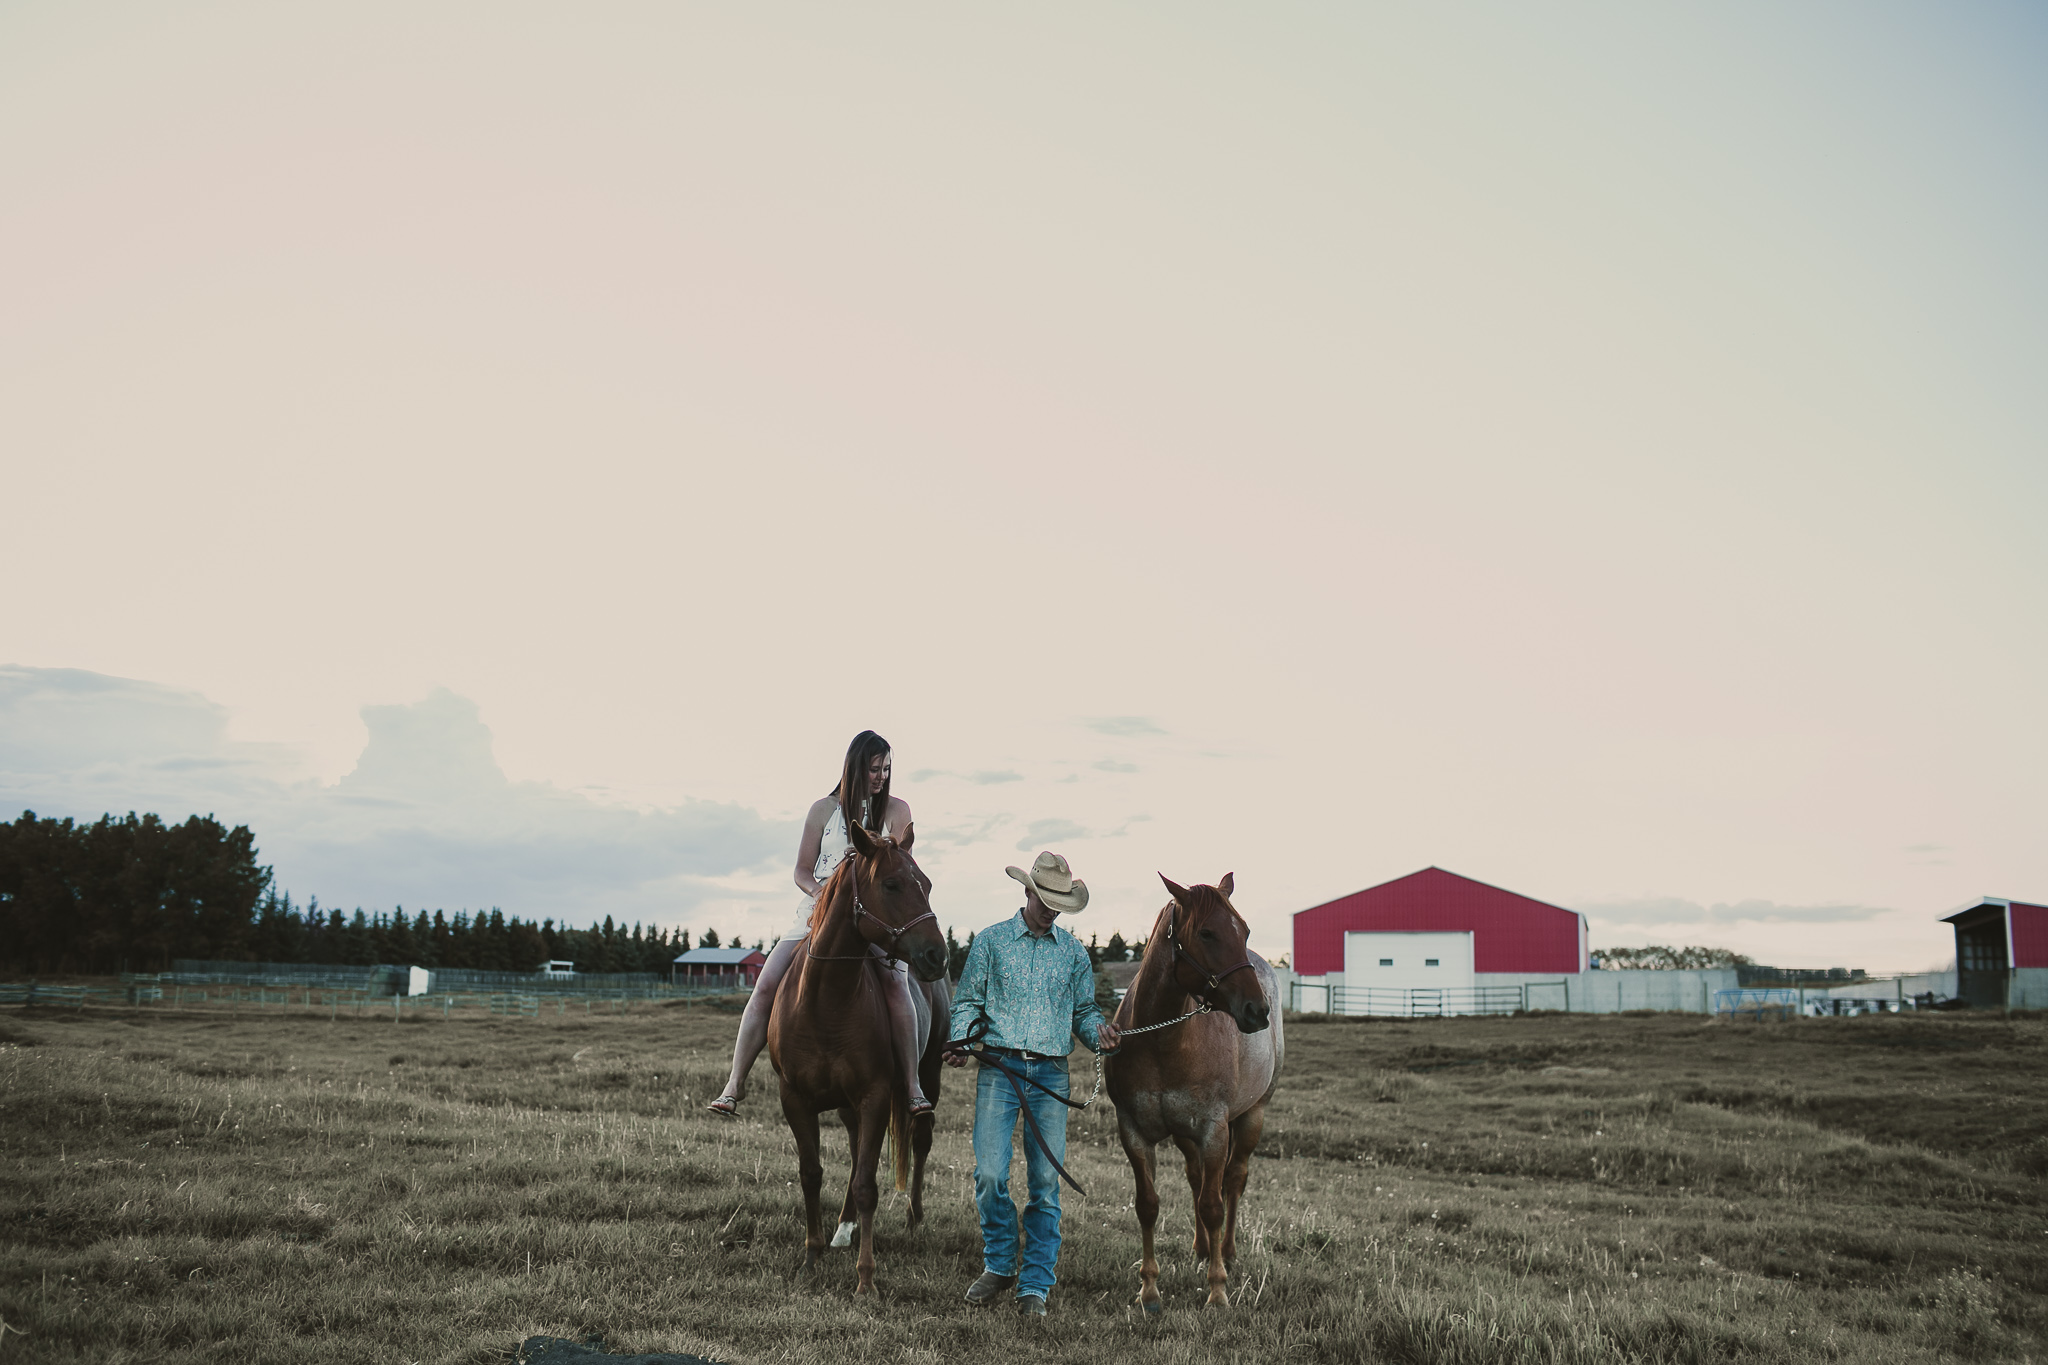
893, 932
896, 931
1212, 981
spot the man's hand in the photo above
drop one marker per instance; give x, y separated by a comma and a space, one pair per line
1107, 1038
955, 1056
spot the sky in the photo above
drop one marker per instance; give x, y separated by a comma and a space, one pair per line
502, 453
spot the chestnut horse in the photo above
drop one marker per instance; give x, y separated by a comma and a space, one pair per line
1200, 1057
830, 1037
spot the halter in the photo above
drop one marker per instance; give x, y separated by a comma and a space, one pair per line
894, 932
1213, 981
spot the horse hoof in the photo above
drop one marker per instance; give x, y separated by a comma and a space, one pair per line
1217, 1299
843, 1238
1153, 1309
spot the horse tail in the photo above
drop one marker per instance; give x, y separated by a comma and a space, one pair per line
899, 1139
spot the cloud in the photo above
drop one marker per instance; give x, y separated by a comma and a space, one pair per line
1110, 765
1672, 910
959, 836
1043, 832
988, 777
426, 818
1124, 725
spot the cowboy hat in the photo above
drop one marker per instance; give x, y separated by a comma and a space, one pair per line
1054, 882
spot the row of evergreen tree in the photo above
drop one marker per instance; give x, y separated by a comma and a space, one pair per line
134, 893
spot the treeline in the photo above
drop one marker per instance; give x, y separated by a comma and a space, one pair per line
90, 897
1657, 957
490, 942
134, 893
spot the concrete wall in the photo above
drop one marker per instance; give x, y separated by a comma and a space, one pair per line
1601, 992
1606, 992
2027, 989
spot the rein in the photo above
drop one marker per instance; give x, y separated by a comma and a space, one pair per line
972, 1044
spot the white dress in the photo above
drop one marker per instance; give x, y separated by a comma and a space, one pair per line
833, 848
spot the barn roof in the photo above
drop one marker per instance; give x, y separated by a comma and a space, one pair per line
1510, 932
722, 957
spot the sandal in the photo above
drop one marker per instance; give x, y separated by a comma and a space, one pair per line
728, 1105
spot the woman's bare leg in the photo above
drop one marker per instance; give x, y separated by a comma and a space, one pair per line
754, 1019
903, 1014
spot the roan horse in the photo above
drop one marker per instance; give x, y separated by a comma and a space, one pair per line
830, 1038
1200, 1057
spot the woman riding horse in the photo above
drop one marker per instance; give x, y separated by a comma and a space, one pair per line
829, 1035
861, 798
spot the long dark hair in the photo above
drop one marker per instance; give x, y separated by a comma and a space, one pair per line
853, 783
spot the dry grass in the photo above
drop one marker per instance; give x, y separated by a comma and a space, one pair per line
179, 1187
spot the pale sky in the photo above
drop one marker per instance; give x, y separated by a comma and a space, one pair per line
1600, 450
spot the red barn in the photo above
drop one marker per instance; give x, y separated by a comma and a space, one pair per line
2002, 954
1437, 931
732, 967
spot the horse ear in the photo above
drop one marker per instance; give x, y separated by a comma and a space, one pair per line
909, 837
863, 843
1228, 884
1174, 889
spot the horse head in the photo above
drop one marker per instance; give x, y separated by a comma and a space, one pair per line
1210, 958
892, 902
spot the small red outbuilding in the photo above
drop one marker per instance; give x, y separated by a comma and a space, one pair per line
703, 965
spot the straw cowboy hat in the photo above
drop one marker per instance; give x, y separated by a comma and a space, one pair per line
1054, 882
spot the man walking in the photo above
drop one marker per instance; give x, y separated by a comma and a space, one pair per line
1032, 981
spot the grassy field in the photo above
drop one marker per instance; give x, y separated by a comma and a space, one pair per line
195, 1186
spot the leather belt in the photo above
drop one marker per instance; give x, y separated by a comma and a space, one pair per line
1024, 1054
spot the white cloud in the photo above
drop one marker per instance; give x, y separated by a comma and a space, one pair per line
987, 777
426, 819
1124, 725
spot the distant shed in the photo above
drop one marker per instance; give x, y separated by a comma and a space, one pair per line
700, 966
2002, 953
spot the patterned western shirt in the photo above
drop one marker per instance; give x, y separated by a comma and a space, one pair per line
1036, 990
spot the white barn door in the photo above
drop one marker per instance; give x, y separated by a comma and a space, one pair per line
1407, 973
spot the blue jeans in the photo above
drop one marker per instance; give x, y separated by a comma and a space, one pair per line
995, 1121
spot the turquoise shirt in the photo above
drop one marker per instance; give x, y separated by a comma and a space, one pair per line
1037, 992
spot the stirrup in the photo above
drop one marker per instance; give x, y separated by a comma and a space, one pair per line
728, 1105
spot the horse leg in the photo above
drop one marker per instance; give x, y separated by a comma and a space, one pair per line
1244, 1136
920, 1148
1192, 1152
803, 1124
931, 1066
874, 1123
842, 1236
1205, 1167
1141, 1154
